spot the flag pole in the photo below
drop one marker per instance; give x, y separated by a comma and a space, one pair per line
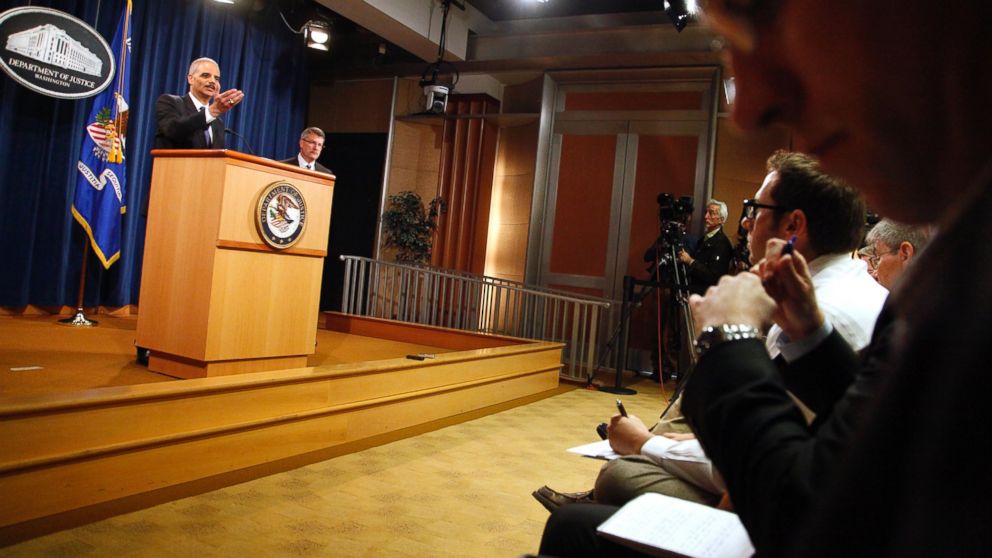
80, 319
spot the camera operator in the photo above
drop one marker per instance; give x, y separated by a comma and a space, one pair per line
711, 258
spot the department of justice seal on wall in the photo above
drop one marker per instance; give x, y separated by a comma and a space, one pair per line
53, 53
281, 215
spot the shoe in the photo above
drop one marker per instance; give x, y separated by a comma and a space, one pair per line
551, 499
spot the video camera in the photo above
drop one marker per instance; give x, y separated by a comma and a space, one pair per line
673, 214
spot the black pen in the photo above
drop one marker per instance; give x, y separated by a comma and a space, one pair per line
623, 412
789, 246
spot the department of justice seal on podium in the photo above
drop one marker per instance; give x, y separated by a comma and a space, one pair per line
281, 215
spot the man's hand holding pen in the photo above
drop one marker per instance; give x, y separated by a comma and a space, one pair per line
779, 288
787, 279
627, 434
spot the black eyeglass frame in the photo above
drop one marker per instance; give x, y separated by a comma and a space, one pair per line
751, 207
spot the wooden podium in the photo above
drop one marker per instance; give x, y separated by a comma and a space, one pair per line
216, 298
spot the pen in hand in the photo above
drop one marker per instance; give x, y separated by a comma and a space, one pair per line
789, 246
623, 412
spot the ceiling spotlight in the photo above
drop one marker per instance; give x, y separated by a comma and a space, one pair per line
680, 11
317, 33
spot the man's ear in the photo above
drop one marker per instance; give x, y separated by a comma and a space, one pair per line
906, 251
795, 222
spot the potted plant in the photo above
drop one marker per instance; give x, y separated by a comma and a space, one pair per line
409, 226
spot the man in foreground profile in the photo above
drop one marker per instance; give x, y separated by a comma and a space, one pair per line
859, 83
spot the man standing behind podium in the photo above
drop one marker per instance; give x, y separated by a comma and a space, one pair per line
311, 144
193, 121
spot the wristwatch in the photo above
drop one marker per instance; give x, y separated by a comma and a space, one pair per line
714, 335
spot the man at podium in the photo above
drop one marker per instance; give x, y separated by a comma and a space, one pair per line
193, 120
311, 144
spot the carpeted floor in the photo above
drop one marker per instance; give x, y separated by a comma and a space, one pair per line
463, 490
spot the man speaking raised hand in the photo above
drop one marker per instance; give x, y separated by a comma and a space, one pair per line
193, 121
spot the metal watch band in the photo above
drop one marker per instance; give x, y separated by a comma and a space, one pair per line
714, 335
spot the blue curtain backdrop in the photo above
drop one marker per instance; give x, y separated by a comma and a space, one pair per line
40, 243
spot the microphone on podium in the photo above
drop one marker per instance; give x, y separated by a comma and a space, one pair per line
242, 138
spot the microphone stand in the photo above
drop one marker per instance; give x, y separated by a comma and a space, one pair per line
239, 136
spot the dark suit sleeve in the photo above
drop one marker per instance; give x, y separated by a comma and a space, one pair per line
773, 463
220, 139
176, 125
712, 260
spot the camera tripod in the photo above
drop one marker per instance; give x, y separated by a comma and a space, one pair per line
679, 289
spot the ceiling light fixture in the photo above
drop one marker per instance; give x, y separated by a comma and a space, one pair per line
317, 33
224, 1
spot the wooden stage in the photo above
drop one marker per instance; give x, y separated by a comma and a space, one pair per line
87, 433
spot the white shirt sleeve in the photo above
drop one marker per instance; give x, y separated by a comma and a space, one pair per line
792, 351
686, 460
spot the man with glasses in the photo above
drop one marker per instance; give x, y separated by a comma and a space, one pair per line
891, 248
885, 95
822, 217
311, 145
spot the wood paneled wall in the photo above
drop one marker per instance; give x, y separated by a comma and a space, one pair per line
466, 179
513, 184
740, 167
350, 107
364, 106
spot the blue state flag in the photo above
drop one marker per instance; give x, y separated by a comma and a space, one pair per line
101, 181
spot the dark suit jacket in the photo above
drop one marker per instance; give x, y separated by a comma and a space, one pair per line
915, 481
180, 126
317, 166
904, 475
774, 465
712, 260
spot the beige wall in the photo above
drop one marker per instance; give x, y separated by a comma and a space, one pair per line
513, 184
513, 188
348, 107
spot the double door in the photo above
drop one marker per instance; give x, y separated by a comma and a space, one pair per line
602, 211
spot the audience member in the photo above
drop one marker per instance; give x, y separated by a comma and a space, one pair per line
888, 486
891, 248
826, 219
879, 495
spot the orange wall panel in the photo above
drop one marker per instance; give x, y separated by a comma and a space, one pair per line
664, 164
582, 212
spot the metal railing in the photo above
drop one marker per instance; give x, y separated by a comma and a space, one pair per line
469, 302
